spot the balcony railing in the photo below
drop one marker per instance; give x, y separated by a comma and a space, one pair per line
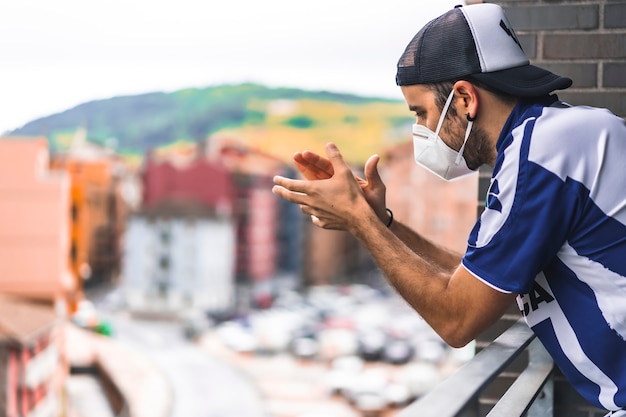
530, 395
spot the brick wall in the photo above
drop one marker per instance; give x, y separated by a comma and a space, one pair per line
581, 39
586, 41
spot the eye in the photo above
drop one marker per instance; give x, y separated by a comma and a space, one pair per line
419, 114
420, 117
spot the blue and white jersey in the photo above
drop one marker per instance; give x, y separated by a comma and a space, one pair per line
554, 232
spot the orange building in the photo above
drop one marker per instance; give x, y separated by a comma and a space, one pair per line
96, 209
34, 223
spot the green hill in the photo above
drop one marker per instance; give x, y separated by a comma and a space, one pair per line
276, 120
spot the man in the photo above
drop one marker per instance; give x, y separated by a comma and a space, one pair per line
554, 230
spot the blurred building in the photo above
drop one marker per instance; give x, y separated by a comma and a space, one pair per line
97, 209
269, 230
244, 242
442, 211
179, 247
36, 284
33, 368
34, 224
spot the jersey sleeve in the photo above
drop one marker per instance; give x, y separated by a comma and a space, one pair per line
528, 212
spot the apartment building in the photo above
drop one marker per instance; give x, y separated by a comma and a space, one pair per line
98, 208
34, 224
36, 285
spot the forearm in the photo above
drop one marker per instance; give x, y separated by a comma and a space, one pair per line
453, 302
445, 259
422, 283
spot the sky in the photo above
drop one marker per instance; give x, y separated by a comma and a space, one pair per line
57, 54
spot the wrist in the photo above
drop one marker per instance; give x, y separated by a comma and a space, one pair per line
389, 221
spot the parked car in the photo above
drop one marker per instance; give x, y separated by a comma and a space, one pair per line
398, 351
195, 323
371, 344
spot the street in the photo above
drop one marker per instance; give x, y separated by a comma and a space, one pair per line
201, 386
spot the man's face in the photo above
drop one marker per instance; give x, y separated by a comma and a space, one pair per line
422, 102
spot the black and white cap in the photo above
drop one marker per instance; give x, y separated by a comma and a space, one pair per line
475, 42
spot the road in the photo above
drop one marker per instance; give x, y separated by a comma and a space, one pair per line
201, 385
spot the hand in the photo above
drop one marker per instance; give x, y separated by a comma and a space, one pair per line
315, 167
334, 202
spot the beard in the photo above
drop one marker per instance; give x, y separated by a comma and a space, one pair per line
476, 151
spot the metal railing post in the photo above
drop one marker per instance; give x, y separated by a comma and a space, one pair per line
543, 406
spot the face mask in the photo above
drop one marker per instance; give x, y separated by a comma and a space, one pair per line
433, 154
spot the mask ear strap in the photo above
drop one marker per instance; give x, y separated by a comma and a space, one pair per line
444, 111
467, 133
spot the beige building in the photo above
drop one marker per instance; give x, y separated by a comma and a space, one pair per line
34, 224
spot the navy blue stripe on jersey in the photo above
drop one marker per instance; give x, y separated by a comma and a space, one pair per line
540, 196
545, 331
578, 302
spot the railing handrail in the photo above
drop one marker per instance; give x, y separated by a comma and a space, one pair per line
523, 393
453, 395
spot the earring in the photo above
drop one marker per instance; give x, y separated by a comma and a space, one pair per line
469, 118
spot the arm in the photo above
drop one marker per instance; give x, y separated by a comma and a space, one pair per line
444, 258
455, 304
315, 167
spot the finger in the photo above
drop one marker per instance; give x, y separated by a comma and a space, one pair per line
313, 166
318, 161
297, 186
310, 173
372, 175
306, 209
335, 157
291, 196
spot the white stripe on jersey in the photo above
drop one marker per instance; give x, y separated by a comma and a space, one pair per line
492, 221
586, 165
608, 287
570, 345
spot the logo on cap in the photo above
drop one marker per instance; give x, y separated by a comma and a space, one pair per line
509, 32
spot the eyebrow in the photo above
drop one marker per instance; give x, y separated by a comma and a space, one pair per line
416, 108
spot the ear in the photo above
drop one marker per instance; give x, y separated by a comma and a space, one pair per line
468, 98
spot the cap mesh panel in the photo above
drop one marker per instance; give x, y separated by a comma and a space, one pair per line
443, 50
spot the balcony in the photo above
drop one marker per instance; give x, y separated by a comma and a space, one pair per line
538, 390
531, 394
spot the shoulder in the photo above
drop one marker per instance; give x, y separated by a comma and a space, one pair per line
568, 140
579, 121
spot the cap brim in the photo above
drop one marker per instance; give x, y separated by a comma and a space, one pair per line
524, 81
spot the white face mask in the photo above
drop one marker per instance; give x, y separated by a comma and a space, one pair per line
433, 154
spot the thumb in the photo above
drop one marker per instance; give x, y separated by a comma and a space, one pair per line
371, 171
335, 157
